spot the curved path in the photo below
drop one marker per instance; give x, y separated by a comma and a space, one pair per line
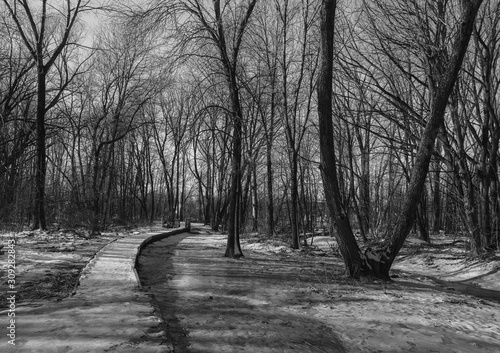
108, 312
214, 304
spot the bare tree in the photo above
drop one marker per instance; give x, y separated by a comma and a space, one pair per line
297, 90
125, 77
378, 261
17, 97
265, 40
170, 131
38, 30
344, 235
226, 34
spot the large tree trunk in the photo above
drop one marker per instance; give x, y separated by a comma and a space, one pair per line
379, 260
229, 61
344, 235
233, 248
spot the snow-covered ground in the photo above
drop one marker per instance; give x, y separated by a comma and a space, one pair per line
276, 299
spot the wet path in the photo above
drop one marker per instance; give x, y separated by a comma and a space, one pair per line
155, 269
213, 304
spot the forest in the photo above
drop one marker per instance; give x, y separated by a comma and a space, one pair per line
367, 120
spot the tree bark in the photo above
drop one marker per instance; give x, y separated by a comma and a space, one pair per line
270, 196
232, 246
436, 195
39, 221
328, 164
364, 179
294, 209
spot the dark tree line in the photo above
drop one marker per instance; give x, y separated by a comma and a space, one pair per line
277, 117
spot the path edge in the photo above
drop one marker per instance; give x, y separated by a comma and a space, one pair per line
152, 239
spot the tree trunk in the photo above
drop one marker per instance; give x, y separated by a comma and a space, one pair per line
246, 198
95, 195
39, 221
229, 61
294, 209
379, 260
255, 201
436, 195
364, 182
183, 189
328, 165
270, 203
422, 219
232, 248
